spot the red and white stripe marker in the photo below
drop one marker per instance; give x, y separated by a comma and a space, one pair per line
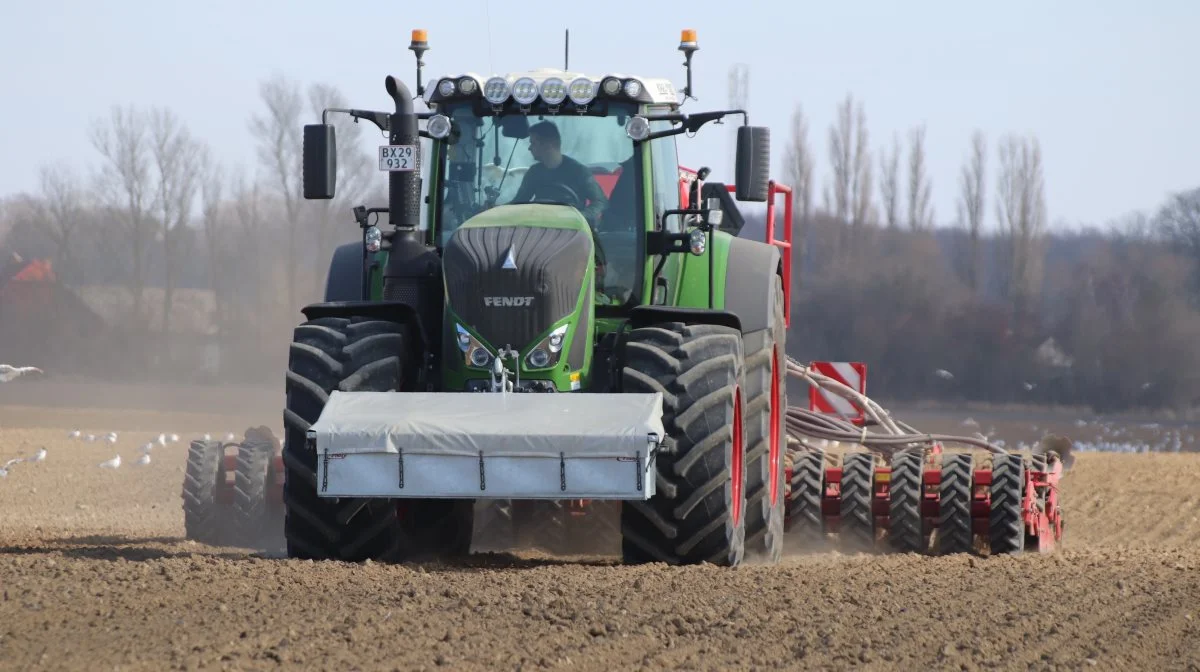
850, 374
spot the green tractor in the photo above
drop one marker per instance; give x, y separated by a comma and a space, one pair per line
573, 318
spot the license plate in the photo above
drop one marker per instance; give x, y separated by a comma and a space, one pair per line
398, 157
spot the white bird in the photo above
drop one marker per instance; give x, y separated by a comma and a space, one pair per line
39, 456
229, 436
4, 469
943, 374
111, 464
144, 459
147, 448
75, 434
90, 437
1028, 386
111, 438
8, 372
207, 437
174, 438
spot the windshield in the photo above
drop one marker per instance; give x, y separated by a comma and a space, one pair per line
584, 161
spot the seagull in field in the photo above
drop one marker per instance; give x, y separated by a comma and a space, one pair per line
8, 372
5, 467
111, 464
75, 434
147, 448
162, 440
207, 436
174, 438
39, 456
111, 438
229, 436
144, 459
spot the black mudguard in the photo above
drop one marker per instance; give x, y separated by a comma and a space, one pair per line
750, 283
345, 279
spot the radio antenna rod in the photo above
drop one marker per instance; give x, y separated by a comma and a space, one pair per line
567, 51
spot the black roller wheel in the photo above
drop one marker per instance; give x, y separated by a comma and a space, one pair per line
357, 354
698, 513
806, 523
1006, 526
259, 520
954, 533
205, 518
906, 528
766, 435
858, 490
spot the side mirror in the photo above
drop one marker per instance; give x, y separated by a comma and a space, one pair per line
753, 163
320, 161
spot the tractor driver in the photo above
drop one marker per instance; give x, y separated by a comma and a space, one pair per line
554, 170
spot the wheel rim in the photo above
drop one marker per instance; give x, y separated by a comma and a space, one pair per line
736, 462
773, 451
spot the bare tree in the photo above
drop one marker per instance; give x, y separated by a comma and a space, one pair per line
124, 185
970, 205
889, 184
175, 154
1021, 211
64, 204
211, 188
798, 166
278, 134
920, 213
848, 195
861, 199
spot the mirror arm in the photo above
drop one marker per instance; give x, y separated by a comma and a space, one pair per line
380, 119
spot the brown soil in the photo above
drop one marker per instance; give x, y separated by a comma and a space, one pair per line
95, 575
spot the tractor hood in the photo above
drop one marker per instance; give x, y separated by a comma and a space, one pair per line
513, 271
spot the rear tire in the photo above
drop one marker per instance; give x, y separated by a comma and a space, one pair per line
698, 513
766, 436
356, 355
205, 518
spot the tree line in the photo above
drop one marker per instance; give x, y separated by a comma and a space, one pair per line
1104, 316
990, 306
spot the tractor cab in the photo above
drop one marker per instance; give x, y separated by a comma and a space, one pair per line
557, 138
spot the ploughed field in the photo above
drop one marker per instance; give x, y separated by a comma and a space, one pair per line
95, 574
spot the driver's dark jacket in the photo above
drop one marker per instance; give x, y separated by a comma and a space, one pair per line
574, 175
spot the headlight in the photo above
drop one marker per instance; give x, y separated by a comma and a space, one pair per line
496, 90
546, 353
475, 354
525, 90
438, 126
637, 128
554, 91
582, 91
373, 239
446, 87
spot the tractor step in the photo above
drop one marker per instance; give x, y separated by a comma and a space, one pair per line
489, 445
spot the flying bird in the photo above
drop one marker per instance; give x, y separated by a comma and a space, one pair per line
8, 372
943, 374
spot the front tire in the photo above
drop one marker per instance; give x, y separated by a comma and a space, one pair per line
357, 355
698, 513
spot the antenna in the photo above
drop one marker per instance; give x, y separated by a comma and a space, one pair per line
567, 50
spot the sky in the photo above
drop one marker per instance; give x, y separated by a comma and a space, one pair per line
1103, 85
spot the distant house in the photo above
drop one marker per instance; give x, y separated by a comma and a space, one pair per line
88, 330
41, 322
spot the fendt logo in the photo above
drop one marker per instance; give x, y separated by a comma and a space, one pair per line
508, 301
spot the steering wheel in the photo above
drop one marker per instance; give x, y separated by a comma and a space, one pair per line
558, 193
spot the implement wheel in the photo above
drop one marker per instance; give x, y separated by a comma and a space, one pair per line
1006, 525
906, 525
259, 518
207, 518
806, 523
698, 513
955, 533
858, 491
